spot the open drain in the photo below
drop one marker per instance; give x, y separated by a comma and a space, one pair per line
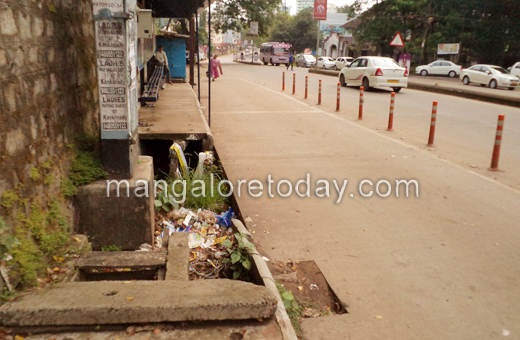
304, 280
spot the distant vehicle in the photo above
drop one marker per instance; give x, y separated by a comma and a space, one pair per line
515, 69
275, 53
374, 72
439, 68
202, 56
305, 60
326, 63
492, 75
342, 62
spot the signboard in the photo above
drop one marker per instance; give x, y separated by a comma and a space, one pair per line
328, 29
253, 28
405, 60
320, 9
448, 49
397, 41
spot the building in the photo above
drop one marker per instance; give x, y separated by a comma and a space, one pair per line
341, 43
302, 4
332, 8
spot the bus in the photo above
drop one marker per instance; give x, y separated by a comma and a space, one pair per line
275, 53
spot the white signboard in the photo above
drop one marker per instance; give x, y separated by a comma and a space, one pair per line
112, 5
448, 49
253, 28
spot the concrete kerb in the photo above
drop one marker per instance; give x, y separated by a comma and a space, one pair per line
282, 318
248, 63
490, 98
208, 144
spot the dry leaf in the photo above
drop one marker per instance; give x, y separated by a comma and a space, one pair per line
379, 317
260, 320
294, 268
127, 270
56, 269
300, 287
129, 298
61, 259
349, 293
19, 337
126, 282
55, 258
157, 331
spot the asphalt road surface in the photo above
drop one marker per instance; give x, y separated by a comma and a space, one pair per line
444, 265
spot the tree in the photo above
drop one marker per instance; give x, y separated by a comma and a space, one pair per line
300, 30
237, 14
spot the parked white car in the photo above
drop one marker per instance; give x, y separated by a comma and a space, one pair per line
492, 75
515, 69
439, 68
326, 63
304, 60
374, 72
342, 62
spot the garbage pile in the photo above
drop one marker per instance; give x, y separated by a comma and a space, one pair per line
206, 231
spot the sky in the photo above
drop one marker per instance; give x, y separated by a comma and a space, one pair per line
338, 3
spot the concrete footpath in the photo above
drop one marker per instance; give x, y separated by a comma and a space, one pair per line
453, 87
444, 265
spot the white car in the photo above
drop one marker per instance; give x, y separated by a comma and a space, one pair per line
304, 60
440, 68
374, 72
326, 63
202, 56
492, 75
515, 69
342, 62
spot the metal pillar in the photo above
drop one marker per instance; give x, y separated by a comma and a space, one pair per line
198, 54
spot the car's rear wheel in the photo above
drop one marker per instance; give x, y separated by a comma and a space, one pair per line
342, 80
512, 88
493, 84
452, 74
465, 80
366, 84
424, 73
396, 89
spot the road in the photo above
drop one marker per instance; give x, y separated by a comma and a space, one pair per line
444, 265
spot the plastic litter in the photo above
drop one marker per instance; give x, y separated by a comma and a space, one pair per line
314, 287
176, 149
224, 219
145, 247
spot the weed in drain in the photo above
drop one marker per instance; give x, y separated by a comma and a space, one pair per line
294, 310
239, 257
110, 248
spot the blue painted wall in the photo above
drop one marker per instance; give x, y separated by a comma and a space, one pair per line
176, 52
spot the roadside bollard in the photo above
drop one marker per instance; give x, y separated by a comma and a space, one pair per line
391, 115
319, 94
306, 85
498, 142
432, 125
361, 101
283, 82
337, 99
294, 83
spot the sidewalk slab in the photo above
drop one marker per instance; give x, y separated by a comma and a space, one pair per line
114, 302
122, 259
177, 266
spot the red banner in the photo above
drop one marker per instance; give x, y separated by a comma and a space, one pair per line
320, 9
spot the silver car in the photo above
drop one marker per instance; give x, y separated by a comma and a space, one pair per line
304, 60
489, 75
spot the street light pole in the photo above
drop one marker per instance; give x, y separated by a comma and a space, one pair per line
317, 45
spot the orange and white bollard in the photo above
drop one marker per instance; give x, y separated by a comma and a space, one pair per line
432, 125
337, 99
361, 101
391, 115
498, 142
319, 94
293, 83
283, 82
306, 85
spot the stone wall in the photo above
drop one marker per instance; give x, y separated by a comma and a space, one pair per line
48, 95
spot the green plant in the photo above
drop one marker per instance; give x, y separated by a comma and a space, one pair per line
68, 189
7, 242
164, 199
239, 257
294, 310
7, 295
110, 248
86, 168
9, 198
49, 178
35, 174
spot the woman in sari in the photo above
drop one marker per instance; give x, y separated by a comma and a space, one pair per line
215, 67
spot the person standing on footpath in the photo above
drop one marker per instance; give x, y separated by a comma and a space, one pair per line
161, 57
291, 61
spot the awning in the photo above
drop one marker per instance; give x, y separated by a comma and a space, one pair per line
177, 8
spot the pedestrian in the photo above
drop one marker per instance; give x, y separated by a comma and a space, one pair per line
215, 67
161, 57
291, 61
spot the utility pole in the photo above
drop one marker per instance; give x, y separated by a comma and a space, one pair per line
317, 45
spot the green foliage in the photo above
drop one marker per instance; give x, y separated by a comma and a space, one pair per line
237, 14
86, 168
240, 260
35, 174
7, 295
9, 198
110, 248
294, 310
7, 241
165, 199
299, 30
68, 189
49, 178
47, 165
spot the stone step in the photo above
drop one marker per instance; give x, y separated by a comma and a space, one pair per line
122, 259
136, 302
177, 266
